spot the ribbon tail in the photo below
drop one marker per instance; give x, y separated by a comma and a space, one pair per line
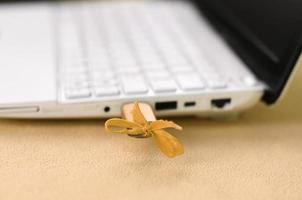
168, 144
163, 124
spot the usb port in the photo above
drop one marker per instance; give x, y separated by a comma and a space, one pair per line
168, 105
221, 103
190, 104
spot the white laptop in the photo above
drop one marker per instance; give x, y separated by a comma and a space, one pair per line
88, 59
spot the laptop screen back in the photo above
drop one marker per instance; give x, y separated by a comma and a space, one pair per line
267, 34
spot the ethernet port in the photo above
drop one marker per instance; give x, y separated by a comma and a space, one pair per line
221, 103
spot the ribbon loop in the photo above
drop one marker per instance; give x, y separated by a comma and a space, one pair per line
140, 128
121, 126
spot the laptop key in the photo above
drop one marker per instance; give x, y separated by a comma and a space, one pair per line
157, 74
164, 85
134, 85
77, 84
110, 90
189, 82
181, 69
105, 82
215, 83
77, 93
123, 69
96, 75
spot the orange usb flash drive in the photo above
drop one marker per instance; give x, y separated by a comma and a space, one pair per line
140, 122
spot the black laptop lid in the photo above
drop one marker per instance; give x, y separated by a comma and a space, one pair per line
267, 34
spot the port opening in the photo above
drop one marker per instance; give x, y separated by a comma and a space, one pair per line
107, 109
190, 104
168, 105
221, 103
22, 109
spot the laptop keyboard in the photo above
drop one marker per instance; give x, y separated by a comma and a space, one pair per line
113, 49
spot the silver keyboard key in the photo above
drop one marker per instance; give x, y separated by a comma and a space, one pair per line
134, 85
97, 75
108, 90
153, 66
176, 60
75, 72
77, 93
73, 76
105, 82
98, 62
148, 58
181, 69
163, 85
124, 69
77, 84
158, 74
189, 82
216, 82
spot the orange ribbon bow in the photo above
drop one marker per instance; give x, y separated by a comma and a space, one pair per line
141, 128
